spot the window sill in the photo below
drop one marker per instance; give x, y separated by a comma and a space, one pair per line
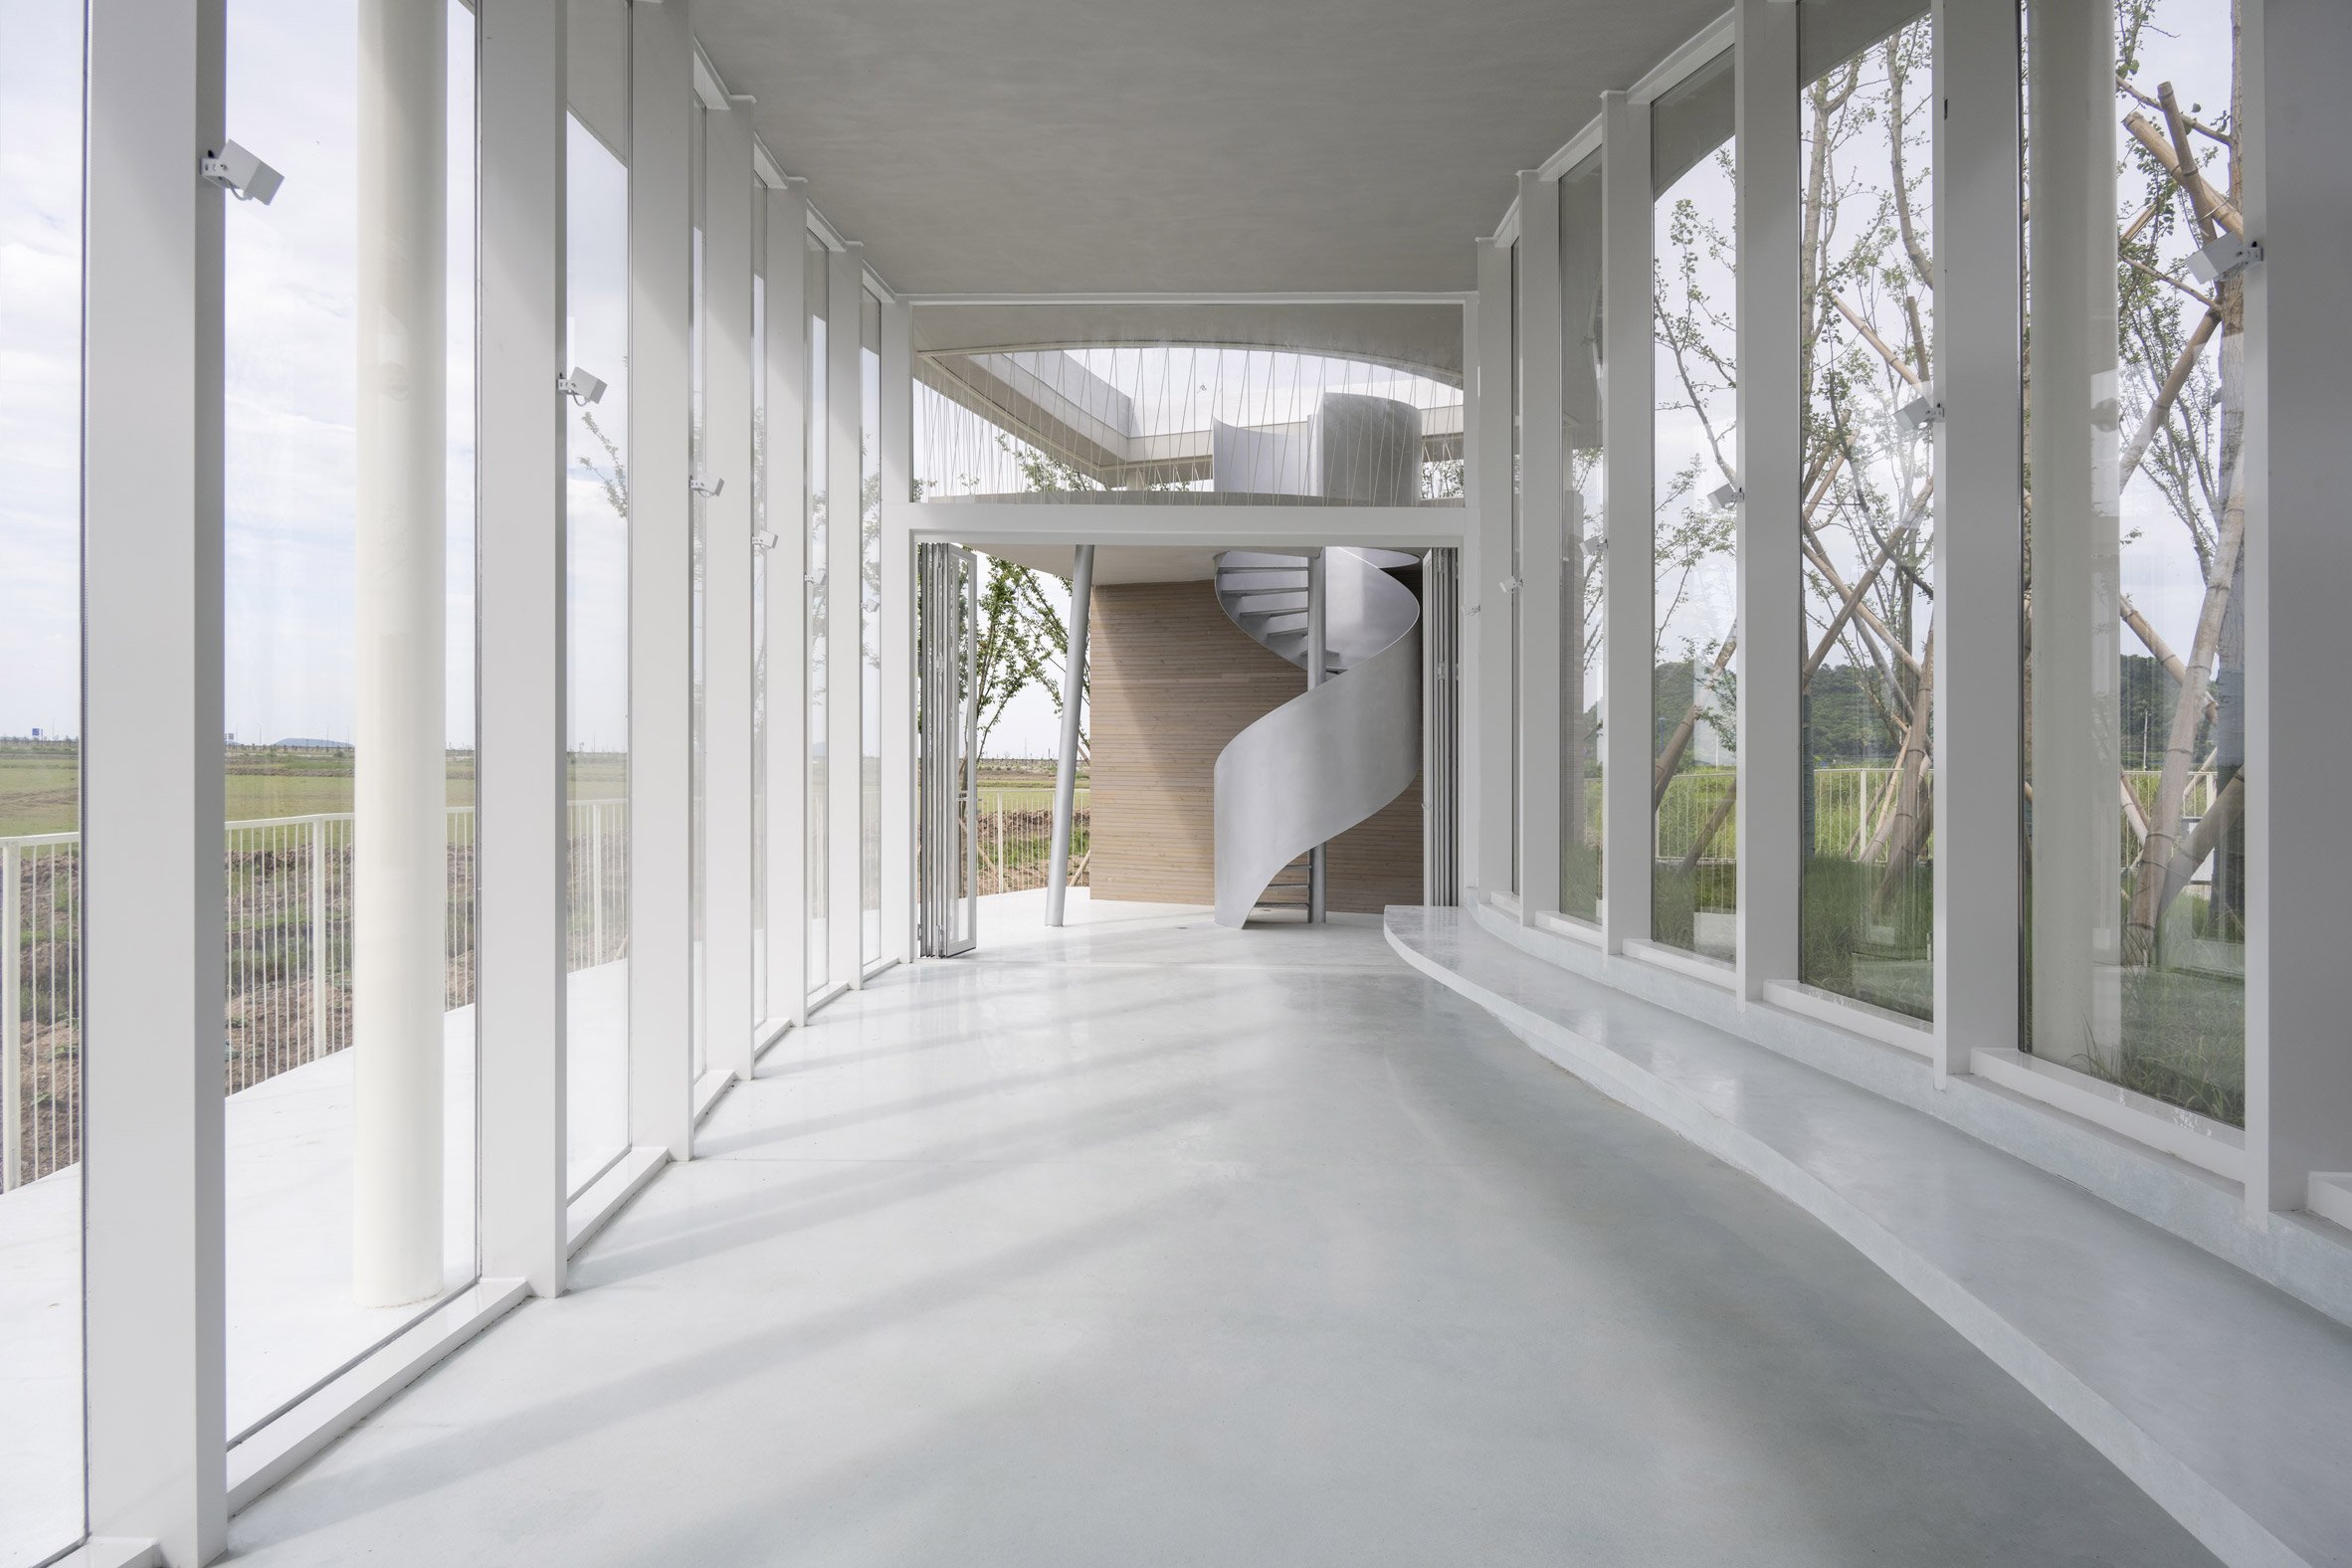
1570, 928
1656, 955
1876, 1022
2208, 1145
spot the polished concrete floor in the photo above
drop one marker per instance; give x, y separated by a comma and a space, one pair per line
1148, 1242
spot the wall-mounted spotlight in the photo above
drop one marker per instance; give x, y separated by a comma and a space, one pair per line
763, 540
1921, 412
581, 387
2226, 257
1511, 584
1726, 496
241, 174
707, 489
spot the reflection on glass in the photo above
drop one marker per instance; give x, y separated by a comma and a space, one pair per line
2137, 504
596, 626
1695, 777
819, 807
1581, 591
869, 634
40, 775
1866, 907
349, 513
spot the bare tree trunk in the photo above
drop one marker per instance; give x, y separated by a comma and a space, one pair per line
1715, 819
1907, 829
2149, 876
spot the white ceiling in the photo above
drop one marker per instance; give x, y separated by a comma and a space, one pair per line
1051, 147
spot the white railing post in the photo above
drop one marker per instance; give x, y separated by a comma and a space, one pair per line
12, 1043
317, 937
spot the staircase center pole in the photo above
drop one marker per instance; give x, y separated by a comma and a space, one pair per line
1316, 658
1073, 689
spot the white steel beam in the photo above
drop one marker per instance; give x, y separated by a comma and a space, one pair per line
1256, 528
1486, 594
845, 572
1771, 606
896, 630
2298, 573
1543, 474
726, 590
787, 371
522, 846
661, 674
1629, 638
1979, 540
152, 782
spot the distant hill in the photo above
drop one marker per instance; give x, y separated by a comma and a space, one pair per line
309, 743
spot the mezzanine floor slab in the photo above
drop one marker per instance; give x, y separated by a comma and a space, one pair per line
1148, 1242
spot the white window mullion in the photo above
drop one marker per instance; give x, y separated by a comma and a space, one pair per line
897, 438
1486, 600
153, 937
660, 671
844, 676
1770, 608
1630, 643
787, 217
1979, 546
1542, 508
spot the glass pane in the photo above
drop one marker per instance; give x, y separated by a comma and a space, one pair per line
1581, 588
349, 511
40, 777
1866, 905
869, 634
596, 626
819, 802
2137, 649
1190, 404
1695, 562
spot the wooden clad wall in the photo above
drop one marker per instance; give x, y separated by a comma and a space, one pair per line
1171, 681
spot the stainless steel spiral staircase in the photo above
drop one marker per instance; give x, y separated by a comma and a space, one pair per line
1338, 752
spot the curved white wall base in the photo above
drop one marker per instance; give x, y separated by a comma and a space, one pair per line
2226, 1401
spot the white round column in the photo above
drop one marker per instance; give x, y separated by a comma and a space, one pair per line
400, 877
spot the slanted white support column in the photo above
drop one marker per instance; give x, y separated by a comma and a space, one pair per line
787, 605
151, 793
844, 676
1074, 696
896, 434
1544, 476
400, 810
1317, 655
2298, 1067
1486, 596
660, 675
1629, 638
1979, 543
523, 848
1771, 607
2077, 919
727, 589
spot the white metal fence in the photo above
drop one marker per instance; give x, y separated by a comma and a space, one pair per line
1017, 838
289, 956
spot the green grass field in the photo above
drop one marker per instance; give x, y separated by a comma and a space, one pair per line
39, 783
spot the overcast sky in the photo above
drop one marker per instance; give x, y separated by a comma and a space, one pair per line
290, 330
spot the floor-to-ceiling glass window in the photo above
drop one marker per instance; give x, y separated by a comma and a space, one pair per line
815, 574
1867, 507
1581, 585
596, 649
699, 529
2136, 730
869, 687
1694, 484
351, 634
41, 126
763, 553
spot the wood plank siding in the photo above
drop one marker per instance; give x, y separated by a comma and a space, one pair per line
1171, 681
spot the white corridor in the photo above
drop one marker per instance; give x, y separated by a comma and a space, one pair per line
1148, 1242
